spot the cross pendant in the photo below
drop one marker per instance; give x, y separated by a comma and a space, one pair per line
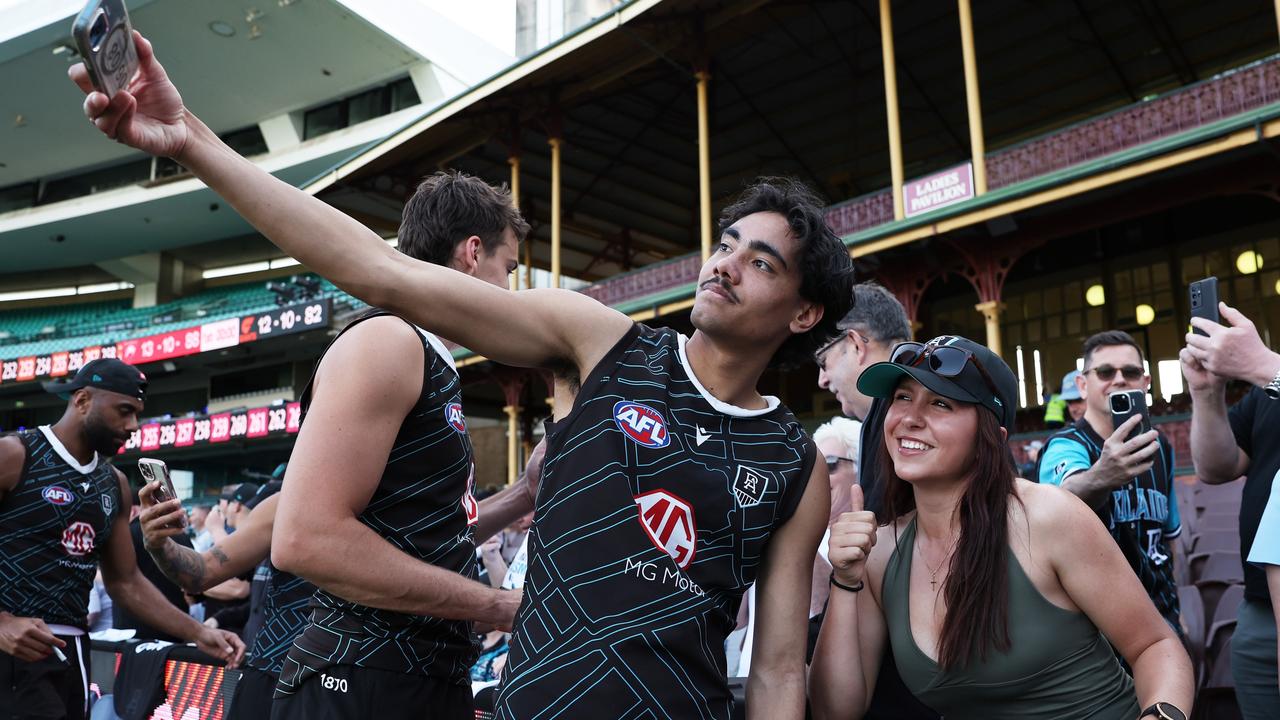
934, 584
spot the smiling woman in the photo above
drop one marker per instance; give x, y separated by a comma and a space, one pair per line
996, 602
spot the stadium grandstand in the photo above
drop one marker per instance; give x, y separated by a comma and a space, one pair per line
1022, 173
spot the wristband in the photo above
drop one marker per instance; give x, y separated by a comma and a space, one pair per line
842, 586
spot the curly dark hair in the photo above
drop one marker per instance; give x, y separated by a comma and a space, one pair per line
449, 207
826, 270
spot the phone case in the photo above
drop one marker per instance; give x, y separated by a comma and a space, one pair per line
1204, 301
156, 470
1137, 406
113, 60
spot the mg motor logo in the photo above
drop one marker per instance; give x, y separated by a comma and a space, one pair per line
669, 522
77, 539
58, 495
641, 423
453, 415
469, 503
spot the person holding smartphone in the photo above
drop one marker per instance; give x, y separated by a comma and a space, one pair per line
1126, 478
64, 511
1225, 444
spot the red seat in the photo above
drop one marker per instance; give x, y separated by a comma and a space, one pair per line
1216, 541
1191, 612
1216, 565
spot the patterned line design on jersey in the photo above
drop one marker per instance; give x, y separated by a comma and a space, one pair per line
420, 508
623, 616
285, 613
51, 536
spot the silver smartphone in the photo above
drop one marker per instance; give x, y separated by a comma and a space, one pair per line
156, 471
104, 37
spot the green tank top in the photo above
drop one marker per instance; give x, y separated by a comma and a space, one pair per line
1059, 665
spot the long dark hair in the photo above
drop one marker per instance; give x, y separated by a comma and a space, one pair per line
977, 587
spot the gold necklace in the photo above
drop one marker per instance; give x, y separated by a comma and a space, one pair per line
933, 572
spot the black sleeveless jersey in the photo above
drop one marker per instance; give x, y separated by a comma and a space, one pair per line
656, 507
423, 505
53, 526
285, 601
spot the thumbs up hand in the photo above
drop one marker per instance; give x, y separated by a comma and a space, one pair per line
852, 537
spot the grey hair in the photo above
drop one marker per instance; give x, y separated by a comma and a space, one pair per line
877, 313
843, 430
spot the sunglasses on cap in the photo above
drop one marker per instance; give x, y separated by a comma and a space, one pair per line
942, 360
1106, 373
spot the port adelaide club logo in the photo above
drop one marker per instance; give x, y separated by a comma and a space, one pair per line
642, 424
749, 486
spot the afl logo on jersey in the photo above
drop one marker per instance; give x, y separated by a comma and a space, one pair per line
668, 521
641, 423
58, 495
77, 539
453, 414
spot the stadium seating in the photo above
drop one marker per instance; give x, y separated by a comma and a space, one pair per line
1210, 588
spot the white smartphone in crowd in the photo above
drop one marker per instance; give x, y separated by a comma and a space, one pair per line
156, 471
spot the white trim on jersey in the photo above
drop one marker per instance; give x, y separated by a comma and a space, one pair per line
61, 449
84, 671
440, 349
771, 402
64, 630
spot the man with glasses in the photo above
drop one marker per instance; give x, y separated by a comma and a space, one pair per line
1127, 480
868, 334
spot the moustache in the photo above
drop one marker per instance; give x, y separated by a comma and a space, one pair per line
723, 286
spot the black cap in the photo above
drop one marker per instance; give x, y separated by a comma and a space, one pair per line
969, 386
105, 374
242, 492
271, 487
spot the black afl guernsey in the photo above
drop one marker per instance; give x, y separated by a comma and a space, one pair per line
53, 526
285, 608
656, 507
423, 505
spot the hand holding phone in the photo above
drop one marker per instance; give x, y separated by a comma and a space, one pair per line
104, 37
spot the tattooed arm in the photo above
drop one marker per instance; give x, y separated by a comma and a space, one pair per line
196, 572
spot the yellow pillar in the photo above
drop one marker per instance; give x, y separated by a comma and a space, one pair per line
513, 443
991, 314
514, 161
891, 106
555, 211
704, 164
978, 147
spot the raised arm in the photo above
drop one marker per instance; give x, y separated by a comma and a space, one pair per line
1098, 579
846, 661
360, 400
776, 687
196, 572
1214, 451
544, 328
